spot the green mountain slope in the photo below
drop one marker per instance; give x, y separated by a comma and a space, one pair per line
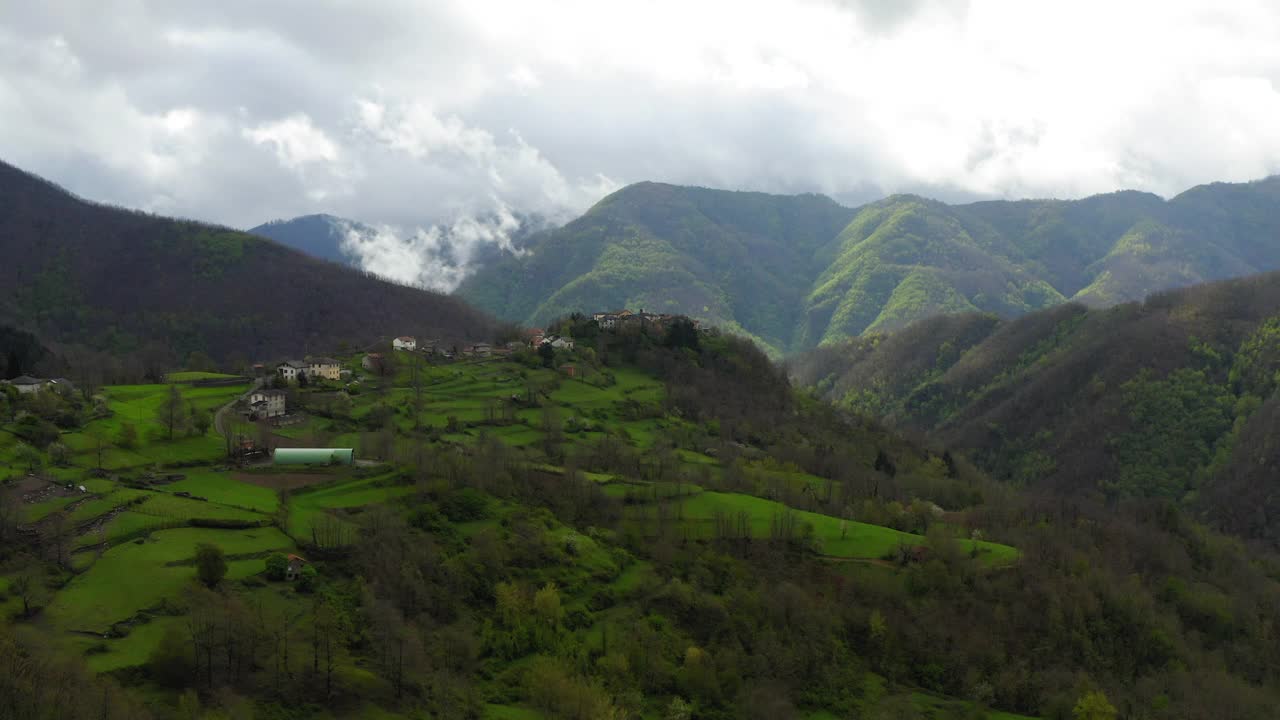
135, 285
740, 260
1175, 397
796, 272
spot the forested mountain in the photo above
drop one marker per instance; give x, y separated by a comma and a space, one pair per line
319, 236
1174, 397
796, 272
78, 273
741, 260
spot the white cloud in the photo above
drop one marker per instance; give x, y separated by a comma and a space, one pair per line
418, 114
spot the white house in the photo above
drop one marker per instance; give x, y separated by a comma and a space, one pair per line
27, 384
267, 403
404, 342
562, 343
291, 369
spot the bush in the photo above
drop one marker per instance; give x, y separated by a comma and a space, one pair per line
465, 505
277, 566
307, 578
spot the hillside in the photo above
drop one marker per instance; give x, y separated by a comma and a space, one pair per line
796, 272
670, 532
1174, 397
77, 273
742, 261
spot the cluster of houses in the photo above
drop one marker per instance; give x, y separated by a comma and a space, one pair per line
26, 385
625, 318
538, 338
320, 368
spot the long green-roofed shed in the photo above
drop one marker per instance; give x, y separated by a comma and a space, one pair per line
314, 456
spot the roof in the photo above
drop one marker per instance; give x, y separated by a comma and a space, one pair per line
405, 338
295, 364
297, 557
373, 355
323, 361
27, 380
269, 393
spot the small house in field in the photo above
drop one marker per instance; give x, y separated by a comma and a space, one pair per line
294, 569
404, 342
27, 384
267, 403
569, 369
372, 362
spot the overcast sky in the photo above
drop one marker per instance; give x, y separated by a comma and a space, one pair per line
408, 113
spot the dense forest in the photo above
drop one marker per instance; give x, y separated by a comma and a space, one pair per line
129, 284
796, 272
1170, 398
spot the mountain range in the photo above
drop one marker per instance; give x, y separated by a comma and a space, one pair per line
794, 272
1173, 397
119, 281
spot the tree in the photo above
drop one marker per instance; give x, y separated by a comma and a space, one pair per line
128, 438
59, 454
1094, 705
547, 353
277, 566
29, 585
29, 456
173, 411
211, 564
200, 421
307, 578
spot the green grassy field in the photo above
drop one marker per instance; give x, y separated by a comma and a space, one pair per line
187, 376
835, 537
136, 576
306, 507
221, 487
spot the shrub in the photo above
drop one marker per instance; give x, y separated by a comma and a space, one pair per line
277, 566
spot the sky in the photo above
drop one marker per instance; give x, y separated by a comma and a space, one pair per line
441, 119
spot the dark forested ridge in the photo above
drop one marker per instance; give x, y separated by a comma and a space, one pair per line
795, 272
319, 236
1173, 397
78, 273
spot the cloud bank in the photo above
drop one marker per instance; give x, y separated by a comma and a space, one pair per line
421, 116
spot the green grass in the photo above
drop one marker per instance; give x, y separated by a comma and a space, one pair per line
172, 507
187, 376
835, 537
132, 576
510, 712
221, 487
306, 507
932, 703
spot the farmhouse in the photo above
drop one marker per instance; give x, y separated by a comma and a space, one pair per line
323, 367
569, 369
27, 384
372, 362
404, 342
291, 370
267, 403
482, 350
560, 343
296, 563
